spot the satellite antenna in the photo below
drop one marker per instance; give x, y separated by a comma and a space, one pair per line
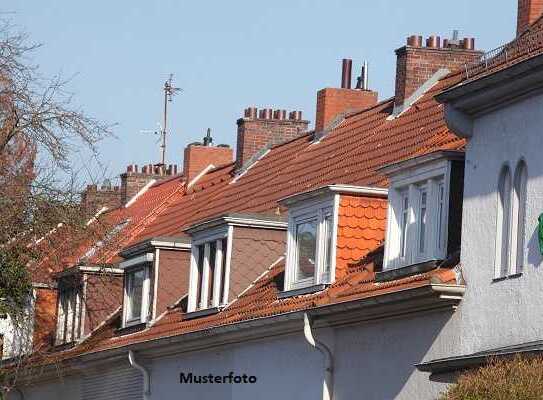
169, 92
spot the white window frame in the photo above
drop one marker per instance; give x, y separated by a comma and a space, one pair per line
510, 220
69, 314
408, 184
216, 298
145, 293
305, 211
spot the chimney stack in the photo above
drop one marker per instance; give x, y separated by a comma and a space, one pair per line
416, 64
528, 12
256, 130
132, 181
198, 156
332, 102
94, 198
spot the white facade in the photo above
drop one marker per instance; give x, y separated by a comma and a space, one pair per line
505, 312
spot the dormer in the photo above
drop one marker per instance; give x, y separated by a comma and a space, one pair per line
425, 210
228, 253
86, 296
328, 229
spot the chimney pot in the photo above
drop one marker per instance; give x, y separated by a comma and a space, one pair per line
414, 41
468, 44
346, 73
433, 42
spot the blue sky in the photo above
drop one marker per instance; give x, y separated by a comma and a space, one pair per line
228, 55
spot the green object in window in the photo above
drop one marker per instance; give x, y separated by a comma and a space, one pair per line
540, 233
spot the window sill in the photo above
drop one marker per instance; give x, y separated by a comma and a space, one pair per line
404, 272
202, 313
301, 291
133, 328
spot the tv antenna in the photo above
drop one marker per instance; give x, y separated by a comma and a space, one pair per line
169, 92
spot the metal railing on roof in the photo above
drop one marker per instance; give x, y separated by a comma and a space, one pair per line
523, 46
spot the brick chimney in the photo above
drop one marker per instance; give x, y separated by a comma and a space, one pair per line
132, 181
528, 12
332, 102
198, 156
94, 198
259, 128
417, 63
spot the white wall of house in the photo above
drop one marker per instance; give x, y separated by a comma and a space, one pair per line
509, 311
373, 361
18, 336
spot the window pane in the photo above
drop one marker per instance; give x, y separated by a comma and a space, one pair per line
223, 271
135, 294
403, 225
441, 194
306, 240
200, 268
423, 214
328, 244
212, 254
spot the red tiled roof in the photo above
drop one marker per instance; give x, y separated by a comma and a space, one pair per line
351, 154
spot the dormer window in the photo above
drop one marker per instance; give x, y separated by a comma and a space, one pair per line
228, 253
210, 264
208, 275
69, 311
310, 243
423, 223
138, 278
313, 234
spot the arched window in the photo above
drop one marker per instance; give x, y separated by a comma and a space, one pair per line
518, 217
503, 224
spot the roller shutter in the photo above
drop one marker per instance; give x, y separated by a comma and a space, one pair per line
117, 384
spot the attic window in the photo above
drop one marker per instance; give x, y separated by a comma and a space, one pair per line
137, 292
418, 216
209, 272
69, 311
310, 245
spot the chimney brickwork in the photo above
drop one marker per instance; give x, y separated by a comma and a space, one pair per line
198, 156
334, 101
132, 181
258, 129
94, 198
528, 12
416, 64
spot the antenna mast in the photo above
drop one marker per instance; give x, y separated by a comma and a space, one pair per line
169, 92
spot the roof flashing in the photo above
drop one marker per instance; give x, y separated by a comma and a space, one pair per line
421, 91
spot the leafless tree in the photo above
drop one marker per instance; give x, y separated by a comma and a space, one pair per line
41, 132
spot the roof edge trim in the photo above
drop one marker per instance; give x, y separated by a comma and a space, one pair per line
334, 189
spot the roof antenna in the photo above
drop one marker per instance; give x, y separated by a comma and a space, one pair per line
208, 140
362, 80
169, 92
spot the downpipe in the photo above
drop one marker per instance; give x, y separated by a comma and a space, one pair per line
144, 372
328, 387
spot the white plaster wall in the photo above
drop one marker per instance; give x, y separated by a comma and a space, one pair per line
505, 312
373, 361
